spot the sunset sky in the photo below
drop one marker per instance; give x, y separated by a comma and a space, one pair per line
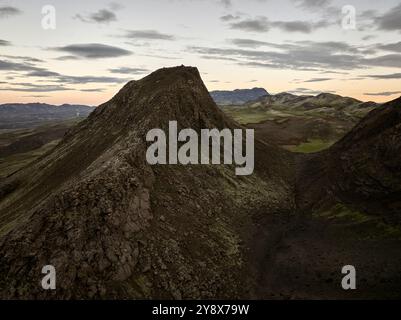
298, 46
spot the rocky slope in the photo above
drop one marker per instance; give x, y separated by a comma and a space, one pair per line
116, 227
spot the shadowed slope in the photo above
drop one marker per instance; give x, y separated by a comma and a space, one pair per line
362, 170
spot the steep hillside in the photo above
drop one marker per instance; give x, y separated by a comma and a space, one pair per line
363, 169
116, 227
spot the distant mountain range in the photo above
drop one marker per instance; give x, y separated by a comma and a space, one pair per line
259, 97
305, 103
18, 115
238, 96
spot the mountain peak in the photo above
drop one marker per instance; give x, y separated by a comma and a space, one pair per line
168, 94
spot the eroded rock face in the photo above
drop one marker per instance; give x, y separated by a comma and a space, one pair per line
114, 226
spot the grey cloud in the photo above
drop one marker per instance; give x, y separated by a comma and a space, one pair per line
229, 17
89, 79
333, 72
300, 26
148, 35
104, 15
93, 90
23, 58
368, 37
294, 26
259, 24
318, 79
7, 11
101, 16
390, 60
43, 73
115, 6
369, 14
383, 94
312, 4
94, 50
249, 43
34, 71
160, 57
28, 87
17, 66
226, 3
4, 43
76, 79
66, 58
36, 96
391, 20
262, 24
298, 56
386, 76
126, 70
395, 47
207, 57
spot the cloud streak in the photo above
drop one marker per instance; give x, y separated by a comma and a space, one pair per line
93, 51
126, 70
318, 80
28, 87
383, 94
263, 24
8, 11
394, 47
101, 16
147, 35
386, 76
4, 43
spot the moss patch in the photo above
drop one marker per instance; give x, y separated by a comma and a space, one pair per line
368, 227
313, 145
